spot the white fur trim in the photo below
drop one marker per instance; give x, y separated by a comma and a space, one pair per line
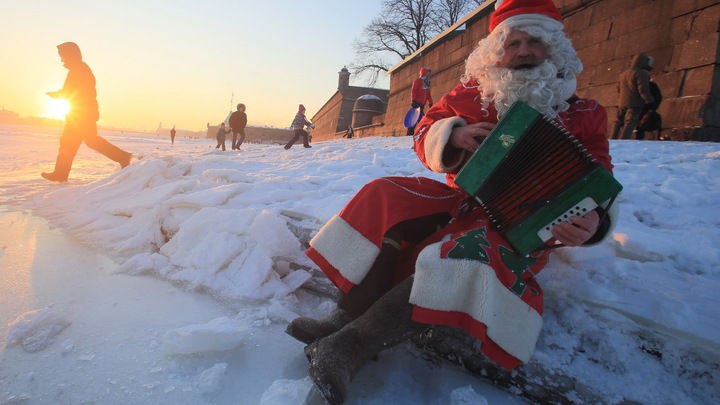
472, 287
436, 139
346, 249
530, 19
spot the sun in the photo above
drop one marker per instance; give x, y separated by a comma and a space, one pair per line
57, 108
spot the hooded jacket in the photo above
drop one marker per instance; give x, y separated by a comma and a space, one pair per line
238, 121
79, 87
634, 83
420, 91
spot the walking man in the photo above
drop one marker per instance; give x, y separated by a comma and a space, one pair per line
81, 120
634, 87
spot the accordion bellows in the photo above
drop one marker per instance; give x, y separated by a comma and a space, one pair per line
530, 174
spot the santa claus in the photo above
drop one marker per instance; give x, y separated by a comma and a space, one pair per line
408, 253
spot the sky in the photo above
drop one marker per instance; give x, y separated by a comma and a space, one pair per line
182, 62
171, 281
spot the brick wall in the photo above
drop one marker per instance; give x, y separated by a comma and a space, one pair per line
326, 119
681, 35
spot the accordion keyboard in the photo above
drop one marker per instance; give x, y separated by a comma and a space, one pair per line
578, 210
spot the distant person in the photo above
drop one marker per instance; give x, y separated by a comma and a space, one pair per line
349, 133
81, 120
238, 121
172, 135
650, 119
420, 93
221, 136
298, 126
634, 88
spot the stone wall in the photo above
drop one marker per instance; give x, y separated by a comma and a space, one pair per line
334, 117
681, 35
326, 120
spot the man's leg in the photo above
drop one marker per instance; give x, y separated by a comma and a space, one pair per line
293, 140
242, 138
70, 141
378, 281
632, 119
352, 304
336, 359
618, 124
306, 139
100, 144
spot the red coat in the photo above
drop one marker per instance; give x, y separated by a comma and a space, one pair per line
420, 93
585, 119
465, 275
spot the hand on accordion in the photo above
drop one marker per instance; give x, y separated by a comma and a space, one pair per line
469, 137
579, 231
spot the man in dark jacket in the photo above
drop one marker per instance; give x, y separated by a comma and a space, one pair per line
238, 121
634, 91
81, 120
650, 119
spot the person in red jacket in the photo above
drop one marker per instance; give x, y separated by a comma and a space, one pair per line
81, 120
410, 252
420, 93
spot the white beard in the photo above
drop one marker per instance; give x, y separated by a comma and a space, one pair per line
539, 87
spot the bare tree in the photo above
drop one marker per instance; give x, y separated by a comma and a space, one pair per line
402, 28
451, 11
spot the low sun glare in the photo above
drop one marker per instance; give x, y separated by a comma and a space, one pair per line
56, 108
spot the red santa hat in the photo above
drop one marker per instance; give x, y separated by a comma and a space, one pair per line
514, 13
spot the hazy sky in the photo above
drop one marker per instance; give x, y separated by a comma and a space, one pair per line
179, 62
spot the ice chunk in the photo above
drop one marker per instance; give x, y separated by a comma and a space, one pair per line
210, 379
466, 396
217, 335
35, 330
283, 392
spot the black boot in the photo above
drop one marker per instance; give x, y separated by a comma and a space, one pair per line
353, 304
125, 160
53, 176
307, 330
336, 359
63, 164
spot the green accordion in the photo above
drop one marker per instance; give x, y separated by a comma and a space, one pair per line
530, 174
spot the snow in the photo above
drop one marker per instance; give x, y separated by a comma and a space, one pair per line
369, 97
171, 281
